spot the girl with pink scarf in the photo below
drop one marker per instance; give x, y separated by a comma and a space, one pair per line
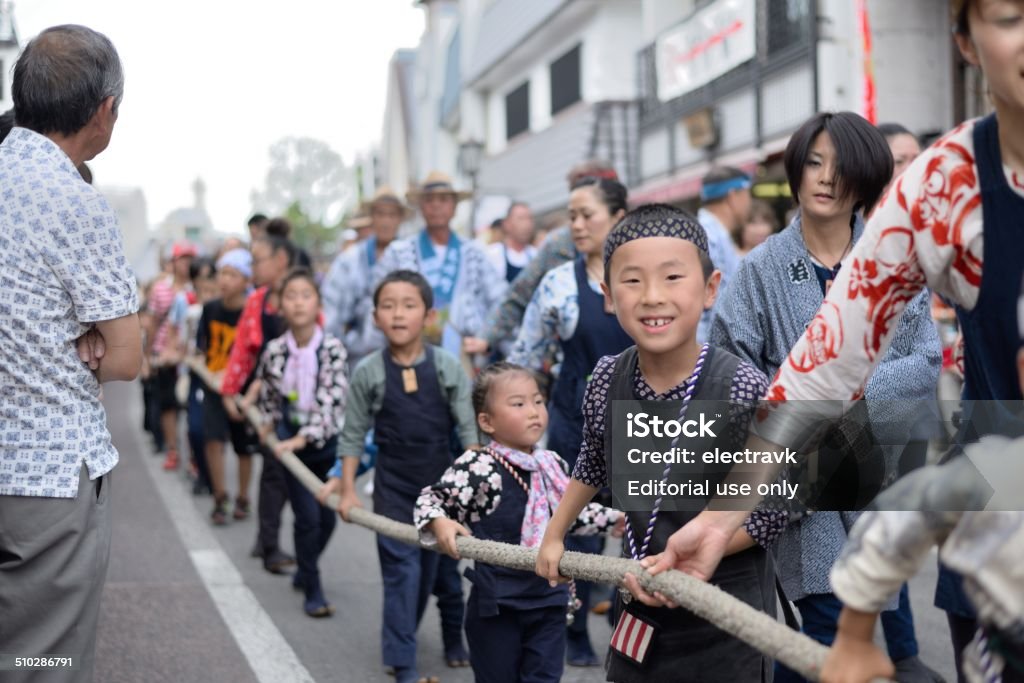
303, 389
506, 491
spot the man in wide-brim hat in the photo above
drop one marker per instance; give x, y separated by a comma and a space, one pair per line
466, 286
360, 224
436, 184
347, 296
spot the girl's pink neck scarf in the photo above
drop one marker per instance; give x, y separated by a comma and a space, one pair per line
548, 482
301, 369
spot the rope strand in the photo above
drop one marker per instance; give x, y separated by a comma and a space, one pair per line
735, 617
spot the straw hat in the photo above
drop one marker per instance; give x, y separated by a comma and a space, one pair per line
385, 195
436, 183
359, 220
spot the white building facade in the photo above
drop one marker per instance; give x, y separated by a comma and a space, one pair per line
662, 89
547, 84
727, 81
9, 50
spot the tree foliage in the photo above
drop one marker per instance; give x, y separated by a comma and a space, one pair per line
307, 178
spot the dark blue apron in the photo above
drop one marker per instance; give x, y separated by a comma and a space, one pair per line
597, 334
413, 436
496, 587
511, 272
708, 653
991, 337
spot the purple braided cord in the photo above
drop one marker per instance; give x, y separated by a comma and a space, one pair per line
691, 386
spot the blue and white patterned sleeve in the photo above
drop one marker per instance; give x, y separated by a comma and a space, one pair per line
749, 385
553, 314
89, 259
336, 296
590, 466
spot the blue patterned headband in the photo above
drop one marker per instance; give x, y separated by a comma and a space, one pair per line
718, 190
655, 220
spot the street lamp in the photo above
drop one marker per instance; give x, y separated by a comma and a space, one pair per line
471, 153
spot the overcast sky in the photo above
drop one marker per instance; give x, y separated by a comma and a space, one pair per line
210, 85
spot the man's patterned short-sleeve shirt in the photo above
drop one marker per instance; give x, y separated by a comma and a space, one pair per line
62, 267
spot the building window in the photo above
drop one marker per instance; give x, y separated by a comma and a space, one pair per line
565, 80
517, 111
789, 23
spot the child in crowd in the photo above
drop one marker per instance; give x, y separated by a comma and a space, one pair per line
302, 387
185, 314
215, 337
567, 312
162, 355
944, 506
412, 395
659, 279
505, 491
272, 257
837, 165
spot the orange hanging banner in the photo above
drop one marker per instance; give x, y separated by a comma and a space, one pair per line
870, 107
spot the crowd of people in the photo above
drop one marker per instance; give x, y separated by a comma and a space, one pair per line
475, 377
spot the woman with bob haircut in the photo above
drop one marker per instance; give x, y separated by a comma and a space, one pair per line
837, 165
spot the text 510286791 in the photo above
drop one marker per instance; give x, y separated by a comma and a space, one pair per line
10, 662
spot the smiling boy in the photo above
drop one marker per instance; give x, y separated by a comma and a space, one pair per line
659, 279
412, 394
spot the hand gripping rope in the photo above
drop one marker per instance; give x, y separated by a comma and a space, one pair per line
757, 629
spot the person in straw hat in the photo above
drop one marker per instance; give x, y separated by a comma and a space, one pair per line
465, 283
347, 295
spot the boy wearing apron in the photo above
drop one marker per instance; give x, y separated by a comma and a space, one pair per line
659, 280
413, 395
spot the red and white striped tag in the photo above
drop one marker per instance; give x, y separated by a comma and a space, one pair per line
633, 637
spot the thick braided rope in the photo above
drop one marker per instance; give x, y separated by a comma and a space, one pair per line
757, 629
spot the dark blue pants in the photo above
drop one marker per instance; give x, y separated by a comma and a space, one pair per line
819, 618
516, 646
196, 435
314, 523
151, 413
408, 574
273, 496
898, 628
451, 605
578, 642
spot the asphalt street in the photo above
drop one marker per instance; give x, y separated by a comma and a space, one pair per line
184, 601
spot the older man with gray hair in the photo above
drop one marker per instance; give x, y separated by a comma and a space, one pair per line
68, 315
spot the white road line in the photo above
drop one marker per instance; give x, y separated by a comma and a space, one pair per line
271, 657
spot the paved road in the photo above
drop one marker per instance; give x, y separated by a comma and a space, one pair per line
185, 602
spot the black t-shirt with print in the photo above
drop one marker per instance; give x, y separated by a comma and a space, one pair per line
216, 333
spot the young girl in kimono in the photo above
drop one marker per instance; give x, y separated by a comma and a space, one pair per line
837, 165
303, 388
568, 311
506, 491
